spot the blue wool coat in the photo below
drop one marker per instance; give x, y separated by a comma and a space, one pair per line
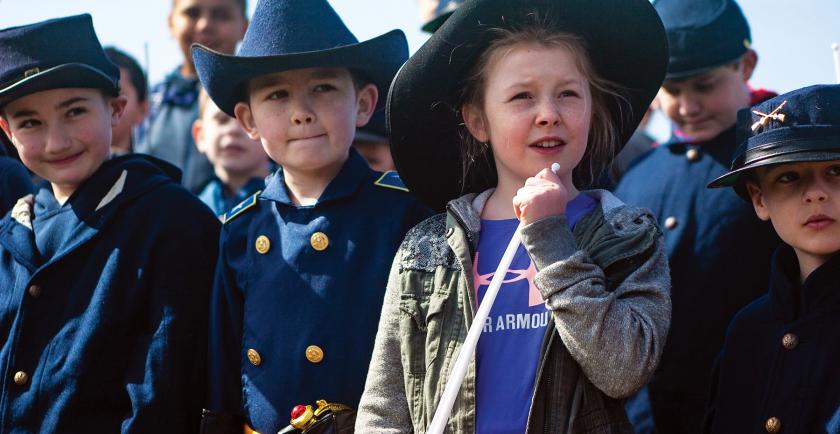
298, 293
781, 358
109, 334
719, 253
14, 183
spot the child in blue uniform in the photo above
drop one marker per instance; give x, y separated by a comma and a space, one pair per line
239, 162
303, 265
500, 92
718, 250
173, 103
105, 272
778, 369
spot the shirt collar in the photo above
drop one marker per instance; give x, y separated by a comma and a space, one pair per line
346, 183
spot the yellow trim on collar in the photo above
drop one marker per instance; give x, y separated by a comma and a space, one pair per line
387, 180
239, 209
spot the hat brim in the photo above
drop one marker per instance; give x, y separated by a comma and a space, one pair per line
685, 75
224, 76
735, 178
68, 75
422, 107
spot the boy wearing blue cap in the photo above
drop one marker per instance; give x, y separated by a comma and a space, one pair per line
778, 368
303, 265
718, 250
102, 331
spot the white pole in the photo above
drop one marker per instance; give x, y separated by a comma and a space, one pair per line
459, 369
836, 49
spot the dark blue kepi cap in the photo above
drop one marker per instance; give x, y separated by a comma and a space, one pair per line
799, 126
702, 34
53, 54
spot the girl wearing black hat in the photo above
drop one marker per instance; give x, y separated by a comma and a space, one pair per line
499, 93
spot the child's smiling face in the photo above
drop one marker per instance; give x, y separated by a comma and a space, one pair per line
802, 200
306, 118
537, 110
63, 135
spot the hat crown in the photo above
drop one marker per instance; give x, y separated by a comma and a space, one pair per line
808, 112
702, 34
280, 27
50, 43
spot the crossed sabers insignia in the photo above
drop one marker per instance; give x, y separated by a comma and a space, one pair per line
765, 117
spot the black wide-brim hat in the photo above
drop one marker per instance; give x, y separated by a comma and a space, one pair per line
801, 126
624, 38
296, 34
53, 54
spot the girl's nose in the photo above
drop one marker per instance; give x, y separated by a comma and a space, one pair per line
548, 115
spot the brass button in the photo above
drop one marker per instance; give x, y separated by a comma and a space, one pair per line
21, 378
262, 244
790, 341
35, 291
319, 241
254, 357
692, 154
314, 354
773, 425
670, 222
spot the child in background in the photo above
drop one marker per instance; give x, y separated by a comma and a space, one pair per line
303, 264
105, 272
371, 141
240, 163
167, 132
135, 88
582, 319
718, 251
778, 368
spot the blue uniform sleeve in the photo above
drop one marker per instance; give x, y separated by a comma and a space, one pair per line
165, 379
224, 407
14, 183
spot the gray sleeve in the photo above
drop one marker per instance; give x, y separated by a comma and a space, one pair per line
615, 336
383, 407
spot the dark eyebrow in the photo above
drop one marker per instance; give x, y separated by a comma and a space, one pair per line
70, 101
23, 114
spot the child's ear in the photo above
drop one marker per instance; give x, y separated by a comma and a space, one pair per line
246, 120
196, 135
758, 200
748, 62
4, 125
475, 122
366, 104
117, 104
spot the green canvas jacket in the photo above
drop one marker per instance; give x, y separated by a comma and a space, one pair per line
606, 285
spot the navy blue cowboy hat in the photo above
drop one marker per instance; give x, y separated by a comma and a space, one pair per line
297, 34
53, 54
799, 126
423, 107
702, 35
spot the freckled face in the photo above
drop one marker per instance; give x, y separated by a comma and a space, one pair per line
802, 200
306, 118
537, 111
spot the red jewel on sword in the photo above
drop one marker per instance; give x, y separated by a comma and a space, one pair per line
459, 369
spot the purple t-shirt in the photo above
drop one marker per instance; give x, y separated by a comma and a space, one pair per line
508, 352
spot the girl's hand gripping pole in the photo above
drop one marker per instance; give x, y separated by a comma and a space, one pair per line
465, 356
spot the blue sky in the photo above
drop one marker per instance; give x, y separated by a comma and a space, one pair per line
793, 39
